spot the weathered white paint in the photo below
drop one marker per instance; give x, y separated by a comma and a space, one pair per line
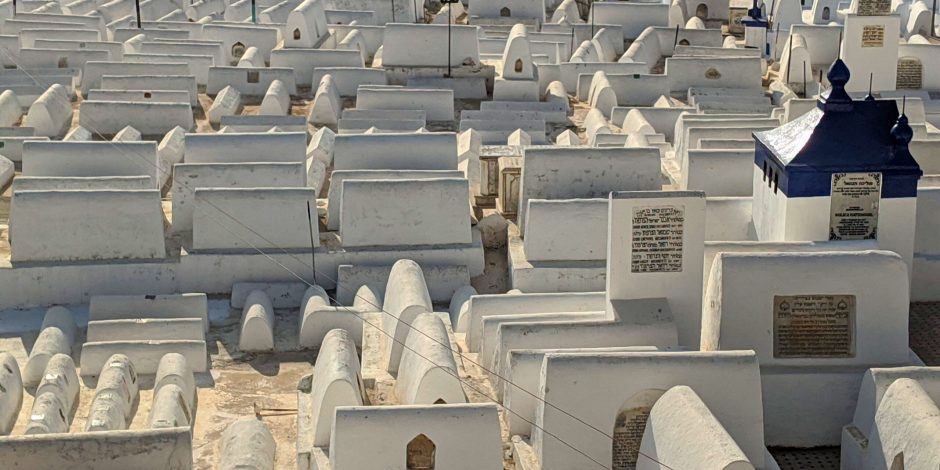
44, 216
678, 413
741, 284
438, 212
56, 336
51, 114
428, 372
327, 104
150, 118
244, 147
159, 306
406, 296
396, 151
257, 324
145, 355
113, 404
250, 82
339, 176
387, 430
252, 218
336, 382
226, 103
247, 442
12, 399
728, 382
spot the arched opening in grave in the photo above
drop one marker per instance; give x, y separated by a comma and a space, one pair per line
419, 454
825, 14
505, 12
712, 73
701, 11
629, 426
898, 462
148, 95
63, 62
440, 401
684, 42
296, 34
238, 50
518, 66
910, 75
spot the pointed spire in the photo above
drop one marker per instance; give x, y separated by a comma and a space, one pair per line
838, 99
871, 78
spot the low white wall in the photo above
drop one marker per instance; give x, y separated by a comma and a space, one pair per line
566, 229
187, 177
93, 71
387, 430
418, 45
375, 212
397, 151
264, 218
249, 81
76, 225
567, 173
439, 104
303, 61
150, 118
246, 147
728, 383
90, 159
348, 79
231, 35
338, 176
143, 449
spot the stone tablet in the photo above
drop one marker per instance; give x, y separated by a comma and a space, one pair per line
853, 209
873, 35
873, 7
657, 239
910, 73
814, 325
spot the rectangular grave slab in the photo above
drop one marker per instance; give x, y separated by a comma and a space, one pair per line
248, 219
156, 306
90, 159
187, 177
405, 212
87, 225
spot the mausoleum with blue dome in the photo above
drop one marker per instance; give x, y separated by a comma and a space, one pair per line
842, 171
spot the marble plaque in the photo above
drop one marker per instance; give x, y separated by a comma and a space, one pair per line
657, 239
814, 326
853, 206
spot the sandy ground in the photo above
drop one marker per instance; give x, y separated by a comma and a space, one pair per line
238, 384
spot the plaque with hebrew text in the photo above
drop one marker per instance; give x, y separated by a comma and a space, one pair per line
814, 326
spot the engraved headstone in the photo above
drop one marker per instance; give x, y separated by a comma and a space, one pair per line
910, 73
873, 35
628, 435
873, 7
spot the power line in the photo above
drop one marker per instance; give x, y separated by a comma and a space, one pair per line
367, 301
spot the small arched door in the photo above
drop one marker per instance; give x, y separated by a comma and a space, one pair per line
701, 11
420, 453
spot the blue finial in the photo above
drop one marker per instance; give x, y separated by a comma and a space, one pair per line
839, 99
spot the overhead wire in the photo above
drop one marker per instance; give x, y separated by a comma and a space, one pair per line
377, 308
